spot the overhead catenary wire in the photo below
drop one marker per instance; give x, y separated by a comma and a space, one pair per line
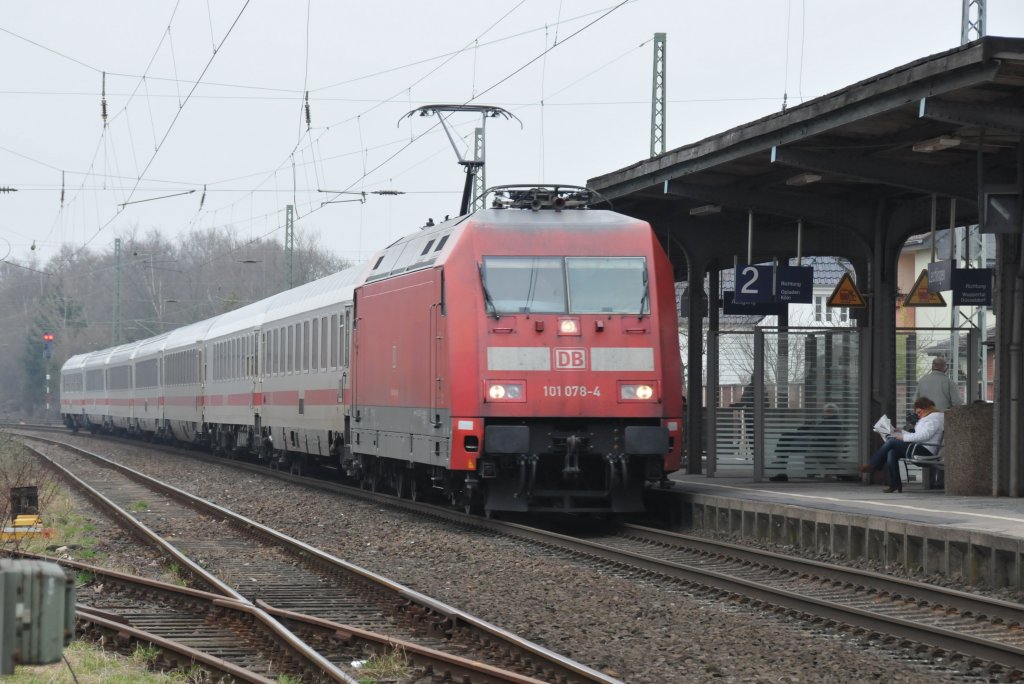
171, 126
367, 161
144, 84
293, 92
367, 171
58, 219
357, 119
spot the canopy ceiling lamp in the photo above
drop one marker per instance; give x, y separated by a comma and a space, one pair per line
706, 209
803, 179
943, 142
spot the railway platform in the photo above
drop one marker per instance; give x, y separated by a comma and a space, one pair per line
978, 539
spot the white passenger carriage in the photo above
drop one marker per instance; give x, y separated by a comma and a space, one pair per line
231, 353
94, 399
149, 398
183, 379
120, 386
72, 391
304, 377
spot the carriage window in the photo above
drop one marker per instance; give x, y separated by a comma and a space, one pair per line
305, 345
525, 284
291, 346
334, 340
316, 344
323, 342
346, 343
607, 285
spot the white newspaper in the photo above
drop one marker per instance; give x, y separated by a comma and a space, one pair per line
884, 427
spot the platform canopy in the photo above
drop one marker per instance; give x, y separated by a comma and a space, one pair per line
876, 151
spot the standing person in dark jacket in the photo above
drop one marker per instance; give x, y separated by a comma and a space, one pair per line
938, 386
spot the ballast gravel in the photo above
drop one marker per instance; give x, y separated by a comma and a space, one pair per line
635, 630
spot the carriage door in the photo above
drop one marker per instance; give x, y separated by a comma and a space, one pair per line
437, 355
255, 350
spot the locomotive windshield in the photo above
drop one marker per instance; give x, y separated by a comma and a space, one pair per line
566, 284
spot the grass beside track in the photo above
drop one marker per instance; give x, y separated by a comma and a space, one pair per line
93, 665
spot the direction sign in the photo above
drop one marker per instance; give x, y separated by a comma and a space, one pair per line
940, 276
795, 284
919, 294
972, 287
753, 283
730, 307
846, 294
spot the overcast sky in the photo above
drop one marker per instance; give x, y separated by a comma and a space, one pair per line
209, 94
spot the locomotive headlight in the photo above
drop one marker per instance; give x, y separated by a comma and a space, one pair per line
636, 392
506, 391
568, 326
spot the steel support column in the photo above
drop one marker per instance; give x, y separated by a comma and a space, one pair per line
695, 410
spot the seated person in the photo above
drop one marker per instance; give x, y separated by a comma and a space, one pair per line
927, 431
818, 436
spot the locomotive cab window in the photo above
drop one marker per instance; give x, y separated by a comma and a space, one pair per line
607, 285
525, 284
566, 285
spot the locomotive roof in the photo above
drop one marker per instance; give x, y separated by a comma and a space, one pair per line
568, 219
413, 252
432, 245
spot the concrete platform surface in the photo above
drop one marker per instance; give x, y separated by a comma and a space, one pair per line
993, 515
980, 539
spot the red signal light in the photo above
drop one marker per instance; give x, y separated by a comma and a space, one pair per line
47, 337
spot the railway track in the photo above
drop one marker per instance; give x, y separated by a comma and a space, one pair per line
941, 623
190, 628
968, 631
294, 581
221, 635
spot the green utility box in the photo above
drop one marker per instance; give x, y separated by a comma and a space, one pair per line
37, 613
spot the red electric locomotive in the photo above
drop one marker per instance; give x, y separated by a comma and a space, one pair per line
521, 358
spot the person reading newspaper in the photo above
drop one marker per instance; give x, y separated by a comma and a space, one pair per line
929, 428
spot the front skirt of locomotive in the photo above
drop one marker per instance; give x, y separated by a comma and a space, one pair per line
598, 466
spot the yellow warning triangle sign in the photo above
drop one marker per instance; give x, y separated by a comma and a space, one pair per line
920, 296
846, 294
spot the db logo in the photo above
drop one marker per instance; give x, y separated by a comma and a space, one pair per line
570, 359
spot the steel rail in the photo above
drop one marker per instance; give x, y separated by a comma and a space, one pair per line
301, 649
1009, 612
452, 667
448, 666
452, 618
807, 607
121, 627
118, 632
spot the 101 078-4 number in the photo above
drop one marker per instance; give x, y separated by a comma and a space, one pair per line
571, 391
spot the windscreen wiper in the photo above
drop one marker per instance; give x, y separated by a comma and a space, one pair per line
487, 295
647, 296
